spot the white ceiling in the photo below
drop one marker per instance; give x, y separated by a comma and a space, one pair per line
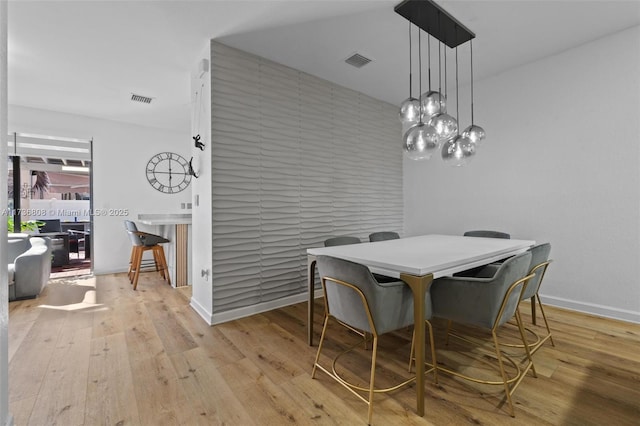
87, 57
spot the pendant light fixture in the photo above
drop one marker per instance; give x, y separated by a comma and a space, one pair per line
421, 140
446, 126
435, 127
475, 133
409, 114
458, 150
433, 102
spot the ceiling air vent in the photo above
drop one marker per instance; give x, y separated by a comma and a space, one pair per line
140, 98
357, 60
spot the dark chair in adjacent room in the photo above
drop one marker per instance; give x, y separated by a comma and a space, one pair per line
487, 234
140, 243
60, 241
487, 303
383, 236
357, 301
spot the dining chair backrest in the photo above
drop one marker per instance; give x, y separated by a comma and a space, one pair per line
477, 301
539, 255
383, 236
487, 234
354, 297
130, 226
341, 240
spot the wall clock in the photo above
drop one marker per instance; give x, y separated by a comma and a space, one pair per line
168, 172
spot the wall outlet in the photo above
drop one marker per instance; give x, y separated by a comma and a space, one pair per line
182, 206
189, 206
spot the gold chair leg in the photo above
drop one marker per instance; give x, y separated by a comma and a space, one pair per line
433, 353
503, 373
533, 309
526, 349
544, 317
446, 342
372, 377
324, 330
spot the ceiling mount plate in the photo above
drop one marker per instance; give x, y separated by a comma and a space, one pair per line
436, 21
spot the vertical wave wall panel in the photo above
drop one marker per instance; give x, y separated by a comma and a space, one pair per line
295, 160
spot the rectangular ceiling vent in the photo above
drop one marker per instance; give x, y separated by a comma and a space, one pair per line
140, 98
357, 60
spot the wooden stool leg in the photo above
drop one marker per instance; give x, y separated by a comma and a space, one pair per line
163, 261
138, 261
129, 274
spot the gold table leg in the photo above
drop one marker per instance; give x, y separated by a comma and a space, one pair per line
419, 286
311, 277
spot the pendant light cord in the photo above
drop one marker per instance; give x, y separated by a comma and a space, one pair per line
439, 60
420, 70
471, 46
410, 64
457, 87
429, 58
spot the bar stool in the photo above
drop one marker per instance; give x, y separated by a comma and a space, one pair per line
141, 242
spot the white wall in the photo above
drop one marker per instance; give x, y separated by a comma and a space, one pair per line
202, 288
560, 164
120, 153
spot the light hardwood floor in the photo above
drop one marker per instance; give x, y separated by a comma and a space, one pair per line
91, 351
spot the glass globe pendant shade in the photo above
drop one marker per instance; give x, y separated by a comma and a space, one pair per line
433, 103
474, 133
420, 142
446, 126
458, 151
409, 111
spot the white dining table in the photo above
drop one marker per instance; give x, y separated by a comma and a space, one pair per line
417, 261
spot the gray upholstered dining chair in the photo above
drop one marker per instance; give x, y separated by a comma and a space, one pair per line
487, 302
357, 301
383, 236
538, 267
487, 234
341, 240
539, 263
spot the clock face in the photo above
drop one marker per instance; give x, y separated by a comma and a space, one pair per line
168, 172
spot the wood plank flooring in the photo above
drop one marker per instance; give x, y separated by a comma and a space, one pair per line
91, 351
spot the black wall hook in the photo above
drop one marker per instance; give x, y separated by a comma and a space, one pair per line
191, 171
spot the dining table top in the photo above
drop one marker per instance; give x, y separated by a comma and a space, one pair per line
440, 255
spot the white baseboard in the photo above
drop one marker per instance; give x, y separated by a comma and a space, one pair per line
260, 307
592, 308
202, 311
109, 271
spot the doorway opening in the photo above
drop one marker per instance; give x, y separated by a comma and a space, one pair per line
50, 193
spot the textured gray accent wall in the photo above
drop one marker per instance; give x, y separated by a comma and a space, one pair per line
295, 160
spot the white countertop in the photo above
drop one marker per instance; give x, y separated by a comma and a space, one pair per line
165, 218
440, 255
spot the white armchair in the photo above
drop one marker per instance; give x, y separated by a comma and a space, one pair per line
29, 265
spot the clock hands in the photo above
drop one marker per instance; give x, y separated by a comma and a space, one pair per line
162, 168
